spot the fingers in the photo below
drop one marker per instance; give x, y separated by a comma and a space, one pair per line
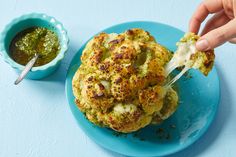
205, 8
217, 36
219, 19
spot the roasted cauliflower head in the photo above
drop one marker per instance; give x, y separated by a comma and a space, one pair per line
120, 82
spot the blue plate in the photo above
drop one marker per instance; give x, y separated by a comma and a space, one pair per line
199, 98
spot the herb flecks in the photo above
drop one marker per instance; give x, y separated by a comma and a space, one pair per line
35, 40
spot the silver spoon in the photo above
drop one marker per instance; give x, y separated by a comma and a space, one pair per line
27, 68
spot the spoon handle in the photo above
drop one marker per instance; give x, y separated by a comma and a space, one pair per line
27, 68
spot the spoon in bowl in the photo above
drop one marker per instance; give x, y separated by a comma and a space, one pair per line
27, 68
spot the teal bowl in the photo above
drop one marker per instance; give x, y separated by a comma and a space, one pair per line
34, 20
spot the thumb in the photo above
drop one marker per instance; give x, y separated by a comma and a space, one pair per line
232, 41
217, 36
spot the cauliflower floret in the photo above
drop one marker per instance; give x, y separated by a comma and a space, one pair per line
169, 107
187, 55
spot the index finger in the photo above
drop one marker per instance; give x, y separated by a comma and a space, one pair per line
204, 9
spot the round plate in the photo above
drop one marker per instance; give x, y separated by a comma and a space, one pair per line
199, 97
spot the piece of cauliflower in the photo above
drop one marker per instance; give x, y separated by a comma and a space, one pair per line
187, 55
120, 82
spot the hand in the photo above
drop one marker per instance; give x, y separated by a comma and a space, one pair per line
220, 28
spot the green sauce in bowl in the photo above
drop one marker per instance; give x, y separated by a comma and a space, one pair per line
34, 40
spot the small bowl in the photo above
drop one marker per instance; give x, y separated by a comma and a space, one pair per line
31, 20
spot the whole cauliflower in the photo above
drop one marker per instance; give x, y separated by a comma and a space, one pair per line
120, 82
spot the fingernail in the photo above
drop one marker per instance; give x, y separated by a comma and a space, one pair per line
202, 45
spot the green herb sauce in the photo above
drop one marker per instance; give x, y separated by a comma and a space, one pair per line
35, 40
